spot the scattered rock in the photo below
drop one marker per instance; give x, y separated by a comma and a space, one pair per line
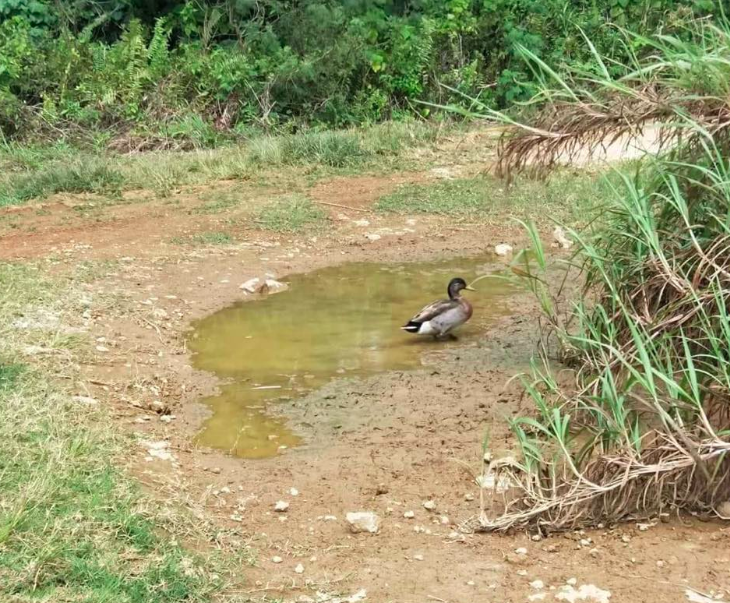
85, 400
560, 238
373, 237
276, 559
418, 557
251, 285
363, 521
299, 569
362, 223
537, 584
281, 506
537, 597
429, 505
444, 519
503, 249
293, 491
571, 581
625, 538
585, 592
409, 514
215, 470
158, 450
660, 563
521, 551
695, 597
469, 496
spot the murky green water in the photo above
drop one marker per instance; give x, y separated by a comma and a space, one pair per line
336, 322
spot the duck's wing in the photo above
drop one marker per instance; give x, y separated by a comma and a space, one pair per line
433, 309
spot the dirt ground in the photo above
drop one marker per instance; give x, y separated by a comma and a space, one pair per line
385, 444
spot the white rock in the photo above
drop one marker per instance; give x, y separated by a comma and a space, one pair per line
372, 237
276, 559
503, 249
274, 285
418, 557
159, 450
537, 597
585, 592
571, 581
521, 551
468, 496
281, 506
409, 514
695, 597
362, 223
537, 584
299, 569
723, 509
522, 572
429, 504
363, 521
85, 400
445, 520
561, 239
293, 491
250, 285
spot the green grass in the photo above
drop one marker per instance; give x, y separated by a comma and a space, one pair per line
36, 173
205, 238
73, 527
291, 214
564, 196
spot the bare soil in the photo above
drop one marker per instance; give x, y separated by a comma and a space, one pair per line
385, 444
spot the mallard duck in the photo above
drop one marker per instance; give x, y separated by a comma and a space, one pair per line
442, 316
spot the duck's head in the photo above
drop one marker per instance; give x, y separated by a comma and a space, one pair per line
456, 286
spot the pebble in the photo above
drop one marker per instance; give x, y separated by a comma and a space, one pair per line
429, 504
409, 514
281, 506
293, 491
521, 572
537, 584
277, 559
299, 569
503, 249
372, 237
521, 551
660, 563
468, 496
445, 520
418, 557
363, 521
571, 581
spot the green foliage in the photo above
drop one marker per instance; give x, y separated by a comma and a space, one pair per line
136, 66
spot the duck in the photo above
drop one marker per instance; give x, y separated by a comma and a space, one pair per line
439, 318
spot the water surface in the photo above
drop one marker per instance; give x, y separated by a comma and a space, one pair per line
331, 323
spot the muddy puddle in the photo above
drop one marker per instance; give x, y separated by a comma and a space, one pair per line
338, 322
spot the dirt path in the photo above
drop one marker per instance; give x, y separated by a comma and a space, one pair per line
385, 444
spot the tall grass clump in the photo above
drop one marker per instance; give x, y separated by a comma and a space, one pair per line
643, 427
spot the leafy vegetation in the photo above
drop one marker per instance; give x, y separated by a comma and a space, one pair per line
645, 426
190, 74
72, 526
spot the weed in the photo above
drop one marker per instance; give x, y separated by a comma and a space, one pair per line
205, 238
291, 214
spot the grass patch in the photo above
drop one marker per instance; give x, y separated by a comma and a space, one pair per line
565, 196
73, 527
34, 173
205, 238
60, 179
291, 214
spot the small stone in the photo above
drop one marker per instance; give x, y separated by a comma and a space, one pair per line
236, 517
215, 470
470, 583
551, 548
381, 489
537, 584
363, 521
293, 491
102, 348
660, 563
521, 551
625, 538
409, 514
429, 504
444, 520
276, 559
372, 237
251, 285
281, 506
299, 569
594, 552
585, 541
361, 223
521, 572
503, 249
225, 490
418, 557
536, 538
468, 496
571, 581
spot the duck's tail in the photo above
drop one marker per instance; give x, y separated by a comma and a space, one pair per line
411, 327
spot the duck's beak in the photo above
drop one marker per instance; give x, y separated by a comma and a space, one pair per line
470, 288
